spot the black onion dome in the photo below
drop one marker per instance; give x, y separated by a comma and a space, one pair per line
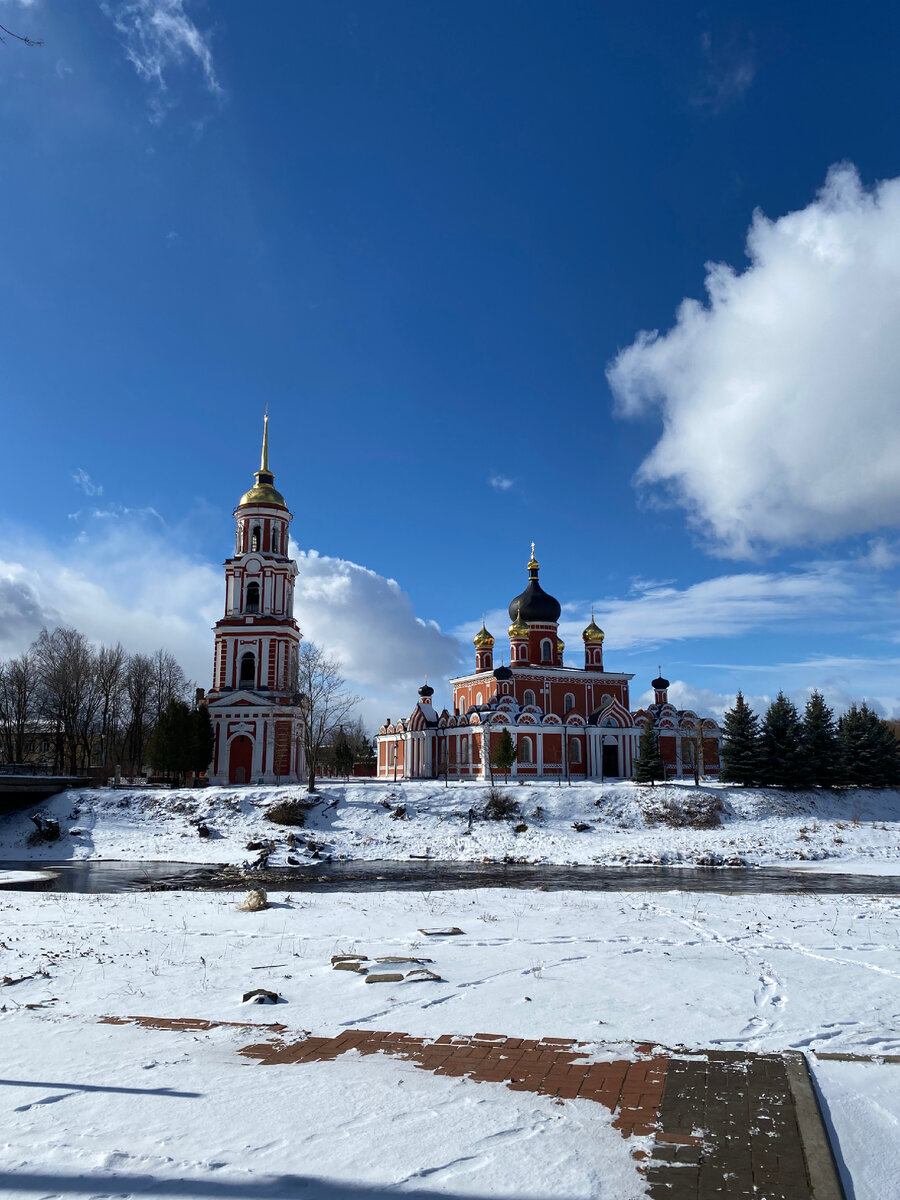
534, 604
426, 690
503, 673
659, 684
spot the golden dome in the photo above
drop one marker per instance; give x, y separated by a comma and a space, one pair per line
264, 491
519, 628
482, 639
560, 647
593, 633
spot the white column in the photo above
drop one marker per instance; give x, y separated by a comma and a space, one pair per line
539, 750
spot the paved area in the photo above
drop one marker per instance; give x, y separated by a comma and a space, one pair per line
729, 1124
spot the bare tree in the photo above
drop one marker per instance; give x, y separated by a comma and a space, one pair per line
323, 704
169, 682
19, 37
110, 679
18, 705
139, 678
68, 695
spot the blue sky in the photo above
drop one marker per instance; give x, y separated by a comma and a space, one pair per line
430, 236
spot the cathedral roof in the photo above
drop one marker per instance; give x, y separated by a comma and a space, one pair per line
264, 491
534, 604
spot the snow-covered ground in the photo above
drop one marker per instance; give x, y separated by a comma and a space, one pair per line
117, 1102
859, 830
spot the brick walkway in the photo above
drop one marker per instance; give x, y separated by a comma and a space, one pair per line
723, 1124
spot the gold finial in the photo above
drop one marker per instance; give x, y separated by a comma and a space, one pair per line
533, 563
263, 491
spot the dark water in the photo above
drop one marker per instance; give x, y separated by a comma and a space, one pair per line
83, 876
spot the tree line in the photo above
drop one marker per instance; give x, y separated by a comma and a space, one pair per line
788, 750
72, 705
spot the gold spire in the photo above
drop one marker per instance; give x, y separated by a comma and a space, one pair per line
533, 564
264, 457
482, 639
519, 628
264, 491
593, 633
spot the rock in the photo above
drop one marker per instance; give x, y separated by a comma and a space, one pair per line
399, 958
203, 830
46, 828
255, 901
261, 996
349, 965
520, 828
337, 958
386, 978
399, 813
256, 845
423, 975
451, 932
580, 826
293, 862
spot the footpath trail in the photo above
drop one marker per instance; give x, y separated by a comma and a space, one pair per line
705, 1123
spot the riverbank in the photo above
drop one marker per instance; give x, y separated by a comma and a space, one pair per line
612, 824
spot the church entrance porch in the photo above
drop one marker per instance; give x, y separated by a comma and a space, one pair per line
240, 759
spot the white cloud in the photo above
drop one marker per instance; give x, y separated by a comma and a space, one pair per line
724, 606
500, 483
157, 36
127, 580
86, 484
778, 397
730, 70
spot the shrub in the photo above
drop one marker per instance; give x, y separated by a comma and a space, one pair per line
499, 806
694, 811
288, 812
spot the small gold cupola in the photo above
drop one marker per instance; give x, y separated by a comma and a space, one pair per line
264, 491
593, 633
483, 640
519, 628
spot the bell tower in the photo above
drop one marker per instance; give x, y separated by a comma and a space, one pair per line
252, 699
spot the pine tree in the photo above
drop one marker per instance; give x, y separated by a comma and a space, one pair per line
648, 766
820, 743
169, 747
505, 752
342, 754
869, 749
740, 744
781, 745
201, 740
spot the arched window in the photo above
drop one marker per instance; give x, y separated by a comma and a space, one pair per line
528, 698
525, 755
276, 532
478, 698
248, 670
546, 650
253, 597
255, 538
575, 751
569, 702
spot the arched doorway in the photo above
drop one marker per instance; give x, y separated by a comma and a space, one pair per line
610, 759
240, 759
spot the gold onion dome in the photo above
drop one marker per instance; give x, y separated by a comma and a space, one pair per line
519, 628
482, 639
264, 491
593, 633
560, 646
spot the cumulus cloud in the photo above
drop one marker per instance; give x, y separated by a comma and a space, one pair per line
778, 397
500, 483
127, 580
157, 36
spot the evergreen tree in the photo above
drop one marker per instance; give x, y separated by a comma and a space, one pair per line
505, 752
740, 745
648, 766
820, 743
342, 754
201, 740
170, 743
781, 745
868, 749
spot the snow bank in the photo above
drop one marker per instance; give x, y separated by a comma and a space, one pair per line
360, 820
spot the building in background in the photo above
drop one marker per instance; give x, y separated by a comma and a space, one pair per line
252, 701
566, 722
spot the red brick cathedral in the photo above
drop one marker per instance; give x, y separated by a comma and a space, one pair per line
566, 722
252, 699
